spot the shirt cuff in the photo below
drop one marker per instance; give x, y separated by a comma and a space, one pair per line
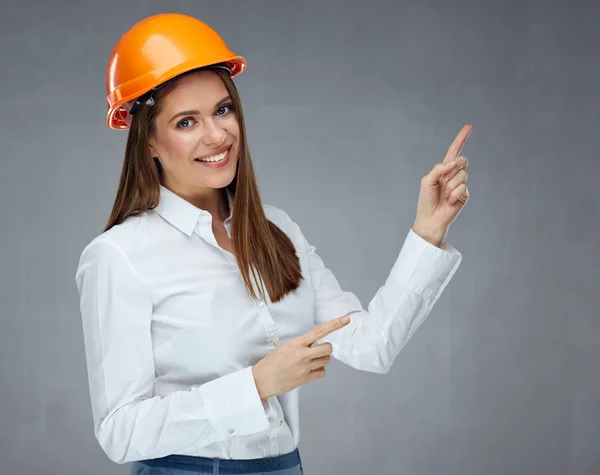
233, 404
424, 268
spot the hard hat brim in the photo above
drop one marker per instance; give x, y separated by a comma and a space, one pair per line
118, 117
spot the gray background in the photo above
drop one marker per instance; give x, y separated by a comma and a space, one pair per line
348, 105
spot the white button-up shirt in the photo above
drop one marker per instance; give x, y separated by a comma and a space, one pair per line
171, 334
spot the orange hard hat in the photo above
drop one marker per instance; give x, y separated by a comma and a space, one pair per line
155, 50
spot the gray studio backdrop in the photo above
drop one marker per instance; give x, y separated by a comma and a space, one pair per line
348, 105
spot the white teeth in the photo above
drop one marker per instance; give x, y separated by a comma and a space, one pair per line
215, 158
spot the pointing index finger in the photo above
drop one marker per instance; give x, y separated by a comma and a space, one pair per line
457, 146
323, 330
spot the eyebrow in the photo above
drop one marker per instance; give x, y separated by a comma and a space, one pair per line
198, 112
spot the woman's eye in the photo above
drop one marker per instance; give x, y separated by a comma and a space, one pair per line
185, 124
224, 109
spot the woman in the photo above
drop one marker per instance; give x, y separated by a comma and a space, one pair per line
204, 310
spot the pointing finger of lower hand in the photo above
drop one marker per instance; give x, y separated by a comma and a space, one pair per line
323, 330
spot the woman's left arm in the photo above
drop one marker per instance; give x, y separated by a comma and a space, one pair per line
375, 336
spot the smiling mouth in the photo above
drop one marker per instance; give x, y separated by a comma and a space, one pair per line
214, 158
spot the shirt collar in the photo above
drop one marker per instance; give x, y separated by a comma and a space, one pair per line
181, 213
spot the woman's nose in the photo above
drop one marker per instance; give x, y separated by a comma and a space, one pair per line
213, 133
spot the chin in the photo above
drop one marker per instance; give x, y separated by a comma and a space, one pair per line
217, 182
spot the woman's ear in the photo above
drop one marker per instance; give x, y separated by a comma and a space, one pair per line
153, 151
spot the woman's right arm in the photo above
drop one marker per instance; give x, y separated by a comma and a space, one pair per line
130, 423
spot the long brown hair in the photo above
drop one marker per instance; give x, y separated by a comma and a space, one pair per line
260, 247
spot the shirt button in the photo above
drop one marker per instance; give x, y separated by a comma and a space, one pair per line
231, 431
280, 423
274, 342
261, 304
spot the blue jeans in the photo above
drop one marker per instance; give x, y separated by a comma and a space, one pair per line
288, 464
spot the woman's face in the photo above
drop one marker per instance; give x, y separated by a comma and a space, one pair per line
197, 136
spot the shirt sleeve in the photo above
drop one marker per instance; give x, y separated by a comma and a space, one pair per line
375, 336
130, 422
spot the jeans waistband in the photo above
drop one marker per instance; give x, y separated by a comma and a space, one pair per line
190, 463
